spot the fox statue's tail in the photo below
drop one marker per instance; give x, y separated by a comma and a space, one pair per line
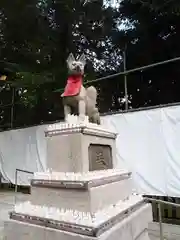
94, 116
92, 93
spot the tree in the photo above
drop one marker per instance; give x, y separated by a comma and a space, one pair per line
27, 46
152, 36
40, 48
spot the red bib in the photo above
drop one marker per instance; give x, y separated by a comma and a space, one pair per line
73, 86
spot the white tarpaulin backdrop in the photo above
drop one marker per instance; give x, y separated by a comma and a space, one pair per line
148, 144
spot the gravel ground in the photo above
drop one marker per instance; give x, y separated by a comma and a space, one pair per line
7, 200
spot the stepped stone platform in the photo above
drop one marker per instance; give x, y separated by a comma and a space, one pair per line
89, 198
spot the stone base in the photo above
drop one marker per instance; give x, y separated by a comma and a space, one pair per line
90, 198
133, 227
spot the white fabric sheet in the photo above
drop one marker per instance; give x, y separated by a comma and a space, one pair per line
22, 149
148, 144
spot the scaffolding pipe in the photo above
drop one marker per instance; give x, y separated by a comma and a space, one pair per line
12, 106
135, 70
16, 182
160, 222
162, 202
125, 81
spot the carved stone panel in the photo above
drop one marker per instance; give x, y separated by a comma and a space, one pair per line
100, 157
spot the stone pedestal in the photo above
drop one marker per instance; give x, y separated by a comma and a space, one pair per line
80, 149
85, 197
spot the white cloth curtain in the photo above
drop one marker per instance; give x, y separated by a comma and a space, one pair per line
148, 144
22, 149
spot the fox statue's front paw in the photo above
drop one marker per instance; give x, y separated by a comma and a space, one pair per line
83, 119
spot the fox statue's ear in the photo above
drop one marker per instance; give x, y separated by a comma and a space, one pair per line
70, 58
82, 59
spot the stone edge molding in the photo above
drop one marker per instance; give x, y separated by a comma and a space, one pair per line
65, 129
79, 185
76, 228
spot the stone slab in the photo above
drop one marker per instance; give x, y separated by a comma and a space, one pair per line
138, 221
90, 200
74, 221
78, 181
84, 128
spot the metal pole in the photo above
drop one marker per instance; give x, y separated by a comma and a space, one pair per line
132, 70
12, 106
16, 183
16, 188
125, 80
128, 72
160, 222
162, 202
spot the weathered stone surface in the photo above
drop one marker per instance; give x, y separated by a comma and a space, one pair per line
88, 201
7, 200
74, 152
134, 227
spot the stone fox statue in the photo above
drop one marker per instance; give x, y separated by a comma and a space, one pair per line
76, 98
